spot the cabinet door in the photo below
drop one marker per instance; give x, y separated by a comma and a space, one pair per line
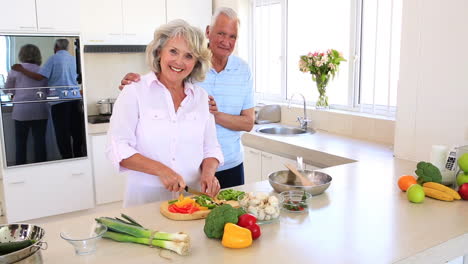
252, 165
108, 184
49, 189
272, 163
58, 16
141, 18
18, 15
197, 13
101, 21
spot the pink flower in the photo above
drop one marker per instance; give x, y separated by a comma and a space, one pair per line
318, 63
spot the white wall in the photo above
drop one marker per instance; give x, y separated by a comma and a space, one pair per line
103, 72
433, 86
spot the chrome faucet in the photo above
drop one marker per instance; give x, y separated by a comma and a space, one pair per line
303, 121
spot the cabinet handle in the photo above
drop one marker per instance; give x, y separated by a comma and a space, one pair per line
47, 28
254, 152
130, 34
77, 174
114, 34
27, 27
17, 182
266, 156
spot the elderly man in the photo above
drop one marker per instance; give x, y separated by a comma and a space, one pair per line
229, 84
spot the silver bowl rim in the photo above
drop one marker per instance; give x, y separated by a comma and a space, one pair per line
315, 186
32, 248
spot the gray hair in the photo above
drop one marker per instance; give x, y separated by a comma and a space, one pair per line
31, 54
195, 40
227, 11
62, 44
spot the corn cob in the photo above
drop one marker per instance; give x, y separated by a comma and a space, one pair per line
443, 188
436, 194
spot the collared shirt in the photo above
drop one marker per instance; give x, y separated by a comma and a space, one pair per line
233, 92
60, 70
28, 111
144, 121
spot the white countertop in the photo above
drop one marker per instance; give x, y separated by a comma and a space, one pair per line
362, 218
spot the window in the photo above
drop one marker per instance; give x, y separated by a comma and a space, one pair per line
365, 31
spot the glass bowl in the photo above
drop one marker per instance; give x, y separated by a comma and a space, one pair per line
295, 201
84, 237
263, 206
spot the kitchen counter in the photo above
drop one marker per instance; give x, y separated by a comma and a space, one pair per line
362, 218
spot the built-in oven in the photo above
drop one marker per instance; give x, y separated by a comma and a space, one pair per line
42, 118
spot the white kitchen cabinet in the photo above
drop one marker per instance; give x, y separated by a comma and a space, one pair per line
58, 16
197, 13
47, 189
252, 165
109, 185
116, 22
40, 16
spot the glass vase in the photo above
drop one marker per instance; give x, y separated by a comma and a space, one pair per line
322, 101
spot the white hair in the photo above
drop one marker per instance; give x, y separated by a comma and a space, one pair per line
227, 11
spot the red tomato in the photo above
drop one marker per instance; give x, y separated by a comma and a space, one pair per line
255, 230
246, 220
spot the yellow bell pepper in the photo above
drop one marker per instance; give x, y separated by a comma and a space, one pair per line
236, 237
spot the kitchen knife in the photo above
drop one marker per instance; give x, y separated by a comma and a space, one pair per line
193, 191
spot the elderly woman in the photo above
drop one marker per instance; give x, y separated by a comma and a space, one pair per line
31, 116
161, 130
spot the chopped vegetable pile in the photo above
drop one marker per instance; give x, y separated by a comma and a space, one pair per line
293, 205
229, 194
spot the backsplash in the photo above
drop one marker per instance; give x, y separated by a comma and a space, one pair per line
103, 72
361, 127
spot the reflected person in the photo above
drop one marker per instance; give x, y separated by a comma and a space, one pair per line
60, 70
29, 116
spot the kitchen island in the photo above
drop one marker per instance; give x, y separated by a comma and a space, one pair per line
362, 218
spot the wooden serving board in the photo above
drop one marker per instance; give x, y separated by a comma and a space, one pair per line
185, 217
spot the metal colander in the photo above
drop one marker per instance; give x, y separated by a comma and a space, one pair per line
19, 232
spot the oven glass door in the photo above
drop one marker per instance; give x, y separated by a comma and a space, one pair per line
41, 124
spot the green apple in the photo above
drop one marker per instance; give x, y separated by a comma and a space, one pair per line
463, 162
415, 193
462, 178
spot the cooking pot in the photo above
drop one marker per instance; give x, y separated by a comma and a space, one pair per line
105, 106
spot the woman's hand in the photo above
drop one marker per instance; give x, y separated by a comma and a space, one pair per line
128, 79
209, 183
171, 180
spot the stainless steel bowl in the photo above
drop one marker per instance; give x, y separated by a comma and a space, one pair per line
286, 181
19, 232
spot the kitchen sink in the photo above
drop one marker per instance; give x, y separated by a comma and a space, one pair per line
283, 130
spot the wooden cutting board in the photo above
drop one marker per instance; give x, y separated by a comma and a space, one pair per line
185, 217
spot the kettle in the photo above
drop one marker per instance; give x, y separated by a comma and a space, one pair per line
105, 106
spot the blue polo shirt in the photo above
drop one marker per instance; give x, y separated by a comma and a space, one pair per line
60, 70
232, 89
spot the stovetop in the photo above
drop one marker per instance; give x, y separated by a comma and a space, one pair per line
97, 119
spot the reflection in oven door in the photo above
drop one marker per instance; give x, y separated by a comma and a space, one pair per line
43, 130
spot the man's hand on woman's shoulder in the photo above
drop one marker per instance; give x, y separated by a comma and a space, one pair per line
128, 79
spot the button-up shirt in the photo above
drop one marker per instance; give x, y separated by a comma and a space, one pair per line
144, 121
233, 92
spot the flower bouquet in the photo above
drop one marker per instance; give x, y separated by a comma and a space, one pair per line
322, 66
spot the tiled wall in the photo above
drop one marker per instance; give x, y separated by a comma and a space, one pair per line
352, 125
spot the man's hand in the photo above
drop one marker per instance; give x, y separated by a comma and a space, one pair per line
17, 67
212, 104
128, 79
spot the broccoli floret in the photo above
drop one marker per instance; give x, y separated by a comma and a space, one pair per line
428, 173
218, 217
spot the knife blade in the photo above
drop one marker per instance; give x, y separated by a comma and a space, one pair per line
193, 191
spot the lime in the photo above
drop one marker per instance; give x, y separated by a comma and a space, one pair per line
415, 193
